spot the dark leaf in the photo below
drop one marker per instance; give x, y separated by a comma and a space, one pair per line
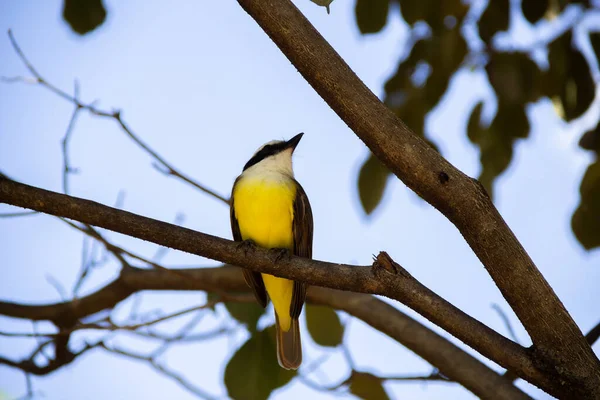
437, 14
496, 142
586, 218
494, 19
444, 52
367, 386
516, 79
595, 40
569, 77
372, 180
324, 325
253, 372
591, 140
534, 10
413, 11
323, 3
84, 15
246, 313
371, 15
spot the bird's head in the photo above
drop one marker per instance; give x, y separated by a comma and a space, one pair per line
275, 155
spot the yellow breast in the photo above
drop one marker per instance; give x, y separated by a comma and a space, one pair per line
265, 211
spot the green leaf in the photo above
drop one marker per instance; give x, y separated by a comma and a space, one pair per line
586, 218
367, 386
371, 15
494, 19
84, 15
591, 140
324, 325
253, 372
496, 142
372, 180
246, 313
434, 12
516, 79
323, 3
534, 10
569, 77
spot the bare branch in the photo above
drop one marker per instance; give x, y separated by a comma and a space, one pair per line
67, 169
559, 346
377, 280
451, 360
162, 369
18, 214
593, 334
506, 322
169, 169
30, 367
107, 324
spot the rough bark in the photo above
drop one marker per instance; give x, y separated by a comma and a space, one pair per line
559, 347
384, 278
452, 362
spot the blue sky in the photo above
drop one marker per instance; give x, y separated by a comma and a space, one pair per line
203, 85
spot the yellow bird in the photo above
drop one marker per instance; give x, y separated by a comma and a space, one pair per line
271, 209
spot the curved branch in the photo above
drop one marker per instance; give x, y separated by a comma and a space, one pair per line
452, 361
165, 167
559, 345
384, 278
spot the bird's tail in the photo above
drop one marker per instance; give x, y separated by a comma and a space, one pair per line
289, 348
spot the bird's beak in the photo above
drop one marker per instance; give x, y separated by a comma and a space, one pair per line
293, 142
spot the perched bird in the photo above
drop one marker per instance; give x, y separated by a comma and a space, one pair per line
271, 209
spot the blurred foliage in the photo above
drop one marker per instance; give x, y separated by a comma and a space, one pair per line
253, 373
84, 15
323, 3
246, 313
367, 386
324, 325
432, 59
372, 180
586, 218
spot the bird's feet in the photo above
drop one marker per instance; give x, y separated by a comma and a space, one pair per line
247, 245
280, 253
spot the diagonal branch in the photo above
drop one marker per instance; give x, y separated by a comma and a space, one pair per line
448, 358
559, 345
384, 278
164, 166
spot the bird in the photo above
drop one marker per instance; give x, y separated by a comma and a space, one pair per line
270, 209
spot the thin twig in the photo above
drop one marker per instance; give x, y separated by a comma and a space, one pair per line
593, 334
161, 369
506, 321
18, 214
65, 144
108, 325
167, 168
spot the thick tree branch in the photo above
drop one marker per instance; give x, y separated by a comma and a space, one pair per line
385, 277
559, 345
449, 359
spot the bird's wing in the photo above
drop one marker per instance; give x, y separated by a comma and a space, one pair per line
253, 279
302, 227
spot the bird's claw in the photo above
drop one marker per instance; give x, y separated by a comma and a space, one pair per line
280, 254
246, 246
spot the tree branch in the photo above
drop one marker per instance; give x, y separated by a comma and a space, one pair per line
448, 358
559, 345
165, 167
384, 278
593, 334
